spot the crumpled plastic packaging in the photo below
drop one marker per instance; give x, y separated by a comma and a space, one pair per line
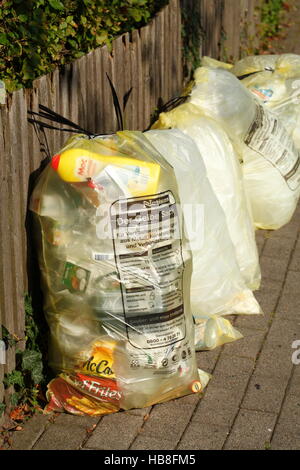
217, 286
226, 178
275, 80
116, 269
271, 163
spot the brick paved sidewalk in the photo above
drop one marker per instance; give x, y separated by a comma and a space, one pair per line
252, 401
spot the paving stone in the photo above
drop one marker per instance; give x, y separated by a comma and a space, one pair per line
248, 347
115, 431
295, 263
267, 297
192, 400
275, 359
280, 248
66, 433
265, 394
32, 430
289, 230
284, 330
273, 269
252, 430
168, 420
138, 411
294, 385
229, 365
208, 437
255, 322
151, 443
259, 233
223, 416
206, 360
225, 390
286, 435
291, 407
296, 372
289, 306
292, 283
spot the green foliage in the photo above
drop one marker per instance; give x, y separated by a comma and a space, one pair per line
270, 17
192, 36
38, 35
9, 340
2, 408
28, 376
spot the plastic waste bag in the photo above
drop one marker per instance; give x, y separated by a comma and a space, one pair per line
217, 287
116, 271
214, 332
275, 80
210, 62
271, 163
225, 176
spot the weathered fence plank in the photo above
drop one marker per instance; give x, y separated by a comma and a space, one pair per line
231, 28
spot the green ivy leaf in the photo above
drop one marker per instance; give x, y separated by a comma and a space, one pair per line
31, 359
136, 14
102, 37
56, 4
4, 39
23, 18
37, 374
15, 398
2, 408
14, 378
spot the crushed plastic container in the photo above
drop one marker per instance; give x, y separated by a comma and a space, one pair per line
275, 81
270, 160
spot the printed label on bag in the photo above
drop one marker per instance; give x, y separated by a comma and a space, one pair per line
75, 278
173, 359
269, 138
148, 255
265, 94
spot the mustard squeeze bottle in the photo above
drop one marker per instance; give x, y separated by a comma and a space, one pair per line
80, 165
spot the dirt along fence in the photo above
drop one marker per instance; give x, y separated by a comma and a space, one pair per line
149, 60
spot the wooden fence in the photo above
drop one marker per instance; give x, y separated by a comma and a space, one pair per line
150, 61
240, 28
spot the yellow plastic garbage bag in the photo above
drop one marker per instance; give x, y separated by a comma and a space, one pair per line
225, 176
271, 163
214, 332
275, 80
116, 269
217, 286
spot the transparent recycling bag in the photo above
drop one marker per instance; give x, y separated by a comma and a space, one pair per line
225, 176
275, 80
217, 287
210, 62
116, 272
215, 332
271, 163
